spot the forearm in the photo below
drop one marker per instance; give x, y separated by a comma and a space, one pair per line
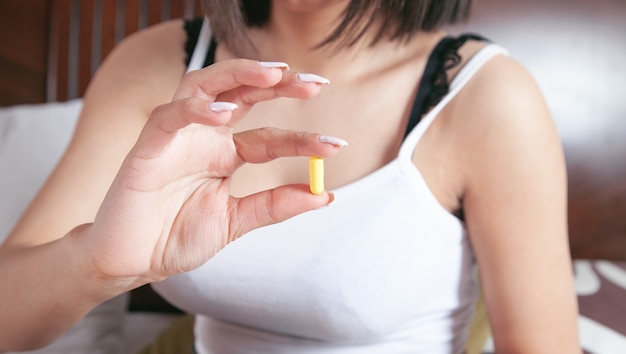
47, 289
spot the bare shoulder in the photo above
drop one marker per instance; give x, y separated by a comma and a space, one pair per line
503, 87
142, 72
503, 117
511, 156
148, 64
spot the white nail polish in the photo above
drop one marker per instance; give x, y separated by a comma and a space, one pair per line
332, 140
222, 106
274, 64
304, 77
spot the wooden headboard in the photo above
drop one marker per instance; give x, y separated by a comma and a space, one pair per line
574, 47
83, 32
51, 48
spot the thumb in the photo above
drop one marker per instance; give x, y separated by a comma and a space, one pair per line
273, 206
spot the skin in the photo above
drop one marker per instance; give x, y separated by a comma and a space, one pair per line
149, 188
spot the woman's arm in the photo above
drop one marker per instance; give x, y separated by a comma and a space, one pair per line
52, 285
149, 186
515, 208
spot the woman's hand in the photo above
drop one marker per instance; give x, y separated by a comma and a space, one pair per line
169, 208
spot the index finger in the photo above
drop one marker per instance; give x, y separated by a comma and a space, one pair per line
226, 75
266, 144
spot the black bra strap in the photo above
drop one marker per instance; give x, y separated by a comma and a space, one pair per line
434, 84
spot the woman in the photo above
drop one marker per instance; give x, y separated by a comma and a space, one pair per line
448, 166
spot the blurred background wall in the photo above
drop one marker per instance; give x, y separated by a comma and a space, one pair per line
576, 50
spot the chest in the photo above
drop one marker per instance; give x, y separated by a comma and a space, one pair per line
373, 263
372, 117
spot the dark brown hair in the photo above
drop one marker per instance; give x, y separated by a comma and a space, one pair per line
400, 19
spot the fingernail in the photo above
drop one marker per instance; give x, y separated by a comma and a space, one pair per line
303, 77
274, 64
331, 199
222, 106
332, 140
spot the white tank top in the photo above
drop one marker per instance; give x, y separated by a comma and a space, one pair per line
384, 269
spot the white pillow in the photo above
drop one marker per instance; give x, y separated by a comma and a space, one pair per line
32, 139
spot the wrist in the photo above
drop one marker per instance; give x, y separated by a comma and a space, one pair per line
107, 284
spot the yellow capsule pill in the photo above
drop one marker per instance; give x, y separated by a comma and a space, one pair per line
316, 175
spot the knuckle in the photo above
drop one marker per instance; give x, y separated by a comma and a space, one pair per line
270, 207
158, 110
298, 138
187, 105
191, 79
266, 133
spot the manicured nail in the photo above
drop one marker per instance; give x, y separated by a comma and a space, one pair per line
331, 197
222, 106
274, 64
332, 140
312, 78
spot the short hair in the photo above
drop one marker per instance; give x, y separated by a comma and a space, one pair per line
401, 19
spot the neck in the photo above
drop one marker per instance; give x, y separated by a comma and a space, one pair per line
294, 32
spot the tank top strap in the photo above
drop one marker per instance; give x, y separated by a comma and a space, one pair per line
201, 55
460, 80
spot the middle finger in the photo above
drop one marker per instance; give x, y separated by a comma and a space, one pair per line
293, 85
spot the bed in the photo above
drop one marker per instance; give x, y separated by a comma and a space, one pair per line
573, 47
